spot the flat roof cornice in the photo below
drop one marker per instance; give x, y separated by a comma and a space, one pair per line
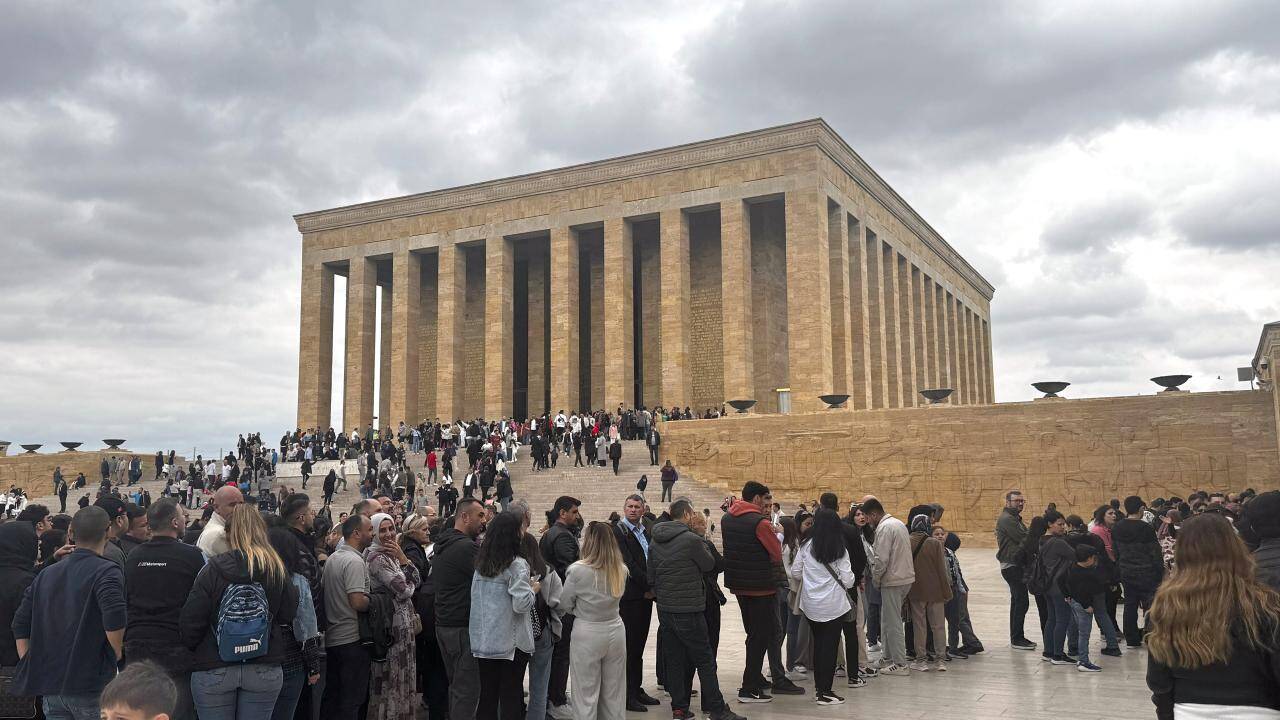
807, 133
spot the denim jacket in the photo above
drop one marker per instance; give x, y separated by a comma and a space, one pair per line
500, 620
305, 626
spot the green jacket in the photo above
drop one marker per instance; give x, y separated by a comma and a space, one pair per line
1010, 533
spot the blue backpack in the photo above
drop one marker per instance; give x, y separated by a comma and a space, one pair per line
244, 623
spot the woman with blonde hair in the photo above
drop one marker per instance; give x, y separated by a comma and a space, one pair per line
236, 665
598, 656
1214, 639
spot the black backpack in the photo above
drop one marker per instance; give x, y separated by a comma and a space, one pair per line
1040, 577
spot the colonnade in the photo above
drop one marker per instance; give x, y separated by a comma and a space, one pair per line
812, 297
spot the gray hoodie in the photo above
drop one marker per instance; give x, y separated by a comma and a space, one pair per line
677, 560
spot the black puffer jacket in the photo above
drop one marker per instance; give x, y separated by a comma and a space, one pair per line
678, 560
1138, 555
200, 613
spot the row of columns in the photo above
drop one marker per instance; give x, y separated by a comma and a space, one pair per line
888, 330
896, 330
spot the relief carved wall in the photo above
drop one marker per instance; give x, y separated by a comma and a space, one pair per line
1077, 453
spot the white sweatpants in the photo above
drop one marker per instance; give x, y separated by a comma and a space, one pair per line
598, 670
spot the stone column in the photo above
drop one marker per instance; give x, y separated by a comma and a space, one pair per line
384, 362
949, 345
564, 321
499, 316
735, 299
923, 322
619, 314
673, 257
315, 348
906, 332
357, 404
860, 330
991, 369
451, 286
841, 340
879, 355
406, 313
808, 298
892, 326
957, 349
966, 354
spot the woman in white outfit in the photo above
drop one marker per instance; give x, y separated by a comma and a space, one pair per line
598, 655
826, 577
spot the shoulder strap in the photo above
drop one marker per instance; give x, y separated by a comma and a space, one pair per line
834, 576
916, 552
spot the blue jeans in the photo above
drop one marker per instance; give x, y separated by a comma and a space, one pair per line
295, 680
539, 675
239, 692
872, 611
1084, 624
1054, 634
72, 707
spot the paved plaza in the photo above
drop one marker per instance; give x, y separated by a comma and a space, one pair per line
1000, 682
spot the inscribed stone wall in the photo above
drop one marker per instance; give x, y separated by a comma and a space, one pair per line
1076, 453
473, 339
706, 355
768, 303
427, 337
539, 371
597, 321
650, 311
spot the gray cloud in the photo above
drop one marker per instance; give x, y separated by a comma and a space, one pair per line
151, 157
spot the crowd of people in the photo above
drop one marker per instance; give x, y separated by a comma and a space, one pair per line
479, 606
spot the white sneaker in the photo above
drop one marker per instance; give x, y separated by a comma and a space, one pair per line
894, 669
877, 648
560, 712
800, 669
940, 666
839, 672
796, 676
919, 666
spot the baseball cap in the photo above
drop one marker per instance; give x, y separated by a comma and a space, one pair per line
114, 506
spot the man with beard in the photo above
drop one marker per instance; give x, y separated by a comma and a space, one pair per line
452, 567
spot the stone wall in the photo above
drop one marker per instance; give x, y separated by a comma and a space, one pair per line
706, 345
427, 337
768, 303
1077, 453
34, 472
473, 338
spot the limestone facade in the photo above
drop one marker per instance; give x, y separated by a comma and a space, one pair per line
725, 269
1076, 453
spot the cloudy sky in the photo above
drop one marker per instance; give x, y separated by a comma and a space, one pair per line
1110, 167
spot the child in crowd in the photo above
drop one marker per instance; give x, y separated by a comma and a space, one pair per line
959, 626
1085, 591
142, 692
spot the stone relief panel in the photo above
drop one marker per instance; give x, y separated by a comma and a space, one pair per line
1076, 453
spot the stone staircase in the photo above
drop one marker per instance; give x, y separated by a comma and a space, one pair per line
600, 491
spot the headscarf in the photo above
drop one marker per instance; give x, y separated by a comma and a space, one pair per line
921, 523
377, 519
18, 545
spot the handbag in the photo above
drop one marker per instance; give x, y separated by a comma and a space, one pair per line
16, 707
852, 594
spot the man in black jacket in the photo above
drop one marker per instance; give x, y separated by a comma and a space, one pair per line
1141, 565
452, 567
158, 577
636, 605
560, 549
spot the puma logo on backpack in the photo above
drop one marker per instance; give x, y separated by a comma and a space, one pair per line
244, 623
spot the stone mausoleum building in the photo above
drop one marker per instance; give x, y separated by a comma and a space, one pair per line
772, 265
